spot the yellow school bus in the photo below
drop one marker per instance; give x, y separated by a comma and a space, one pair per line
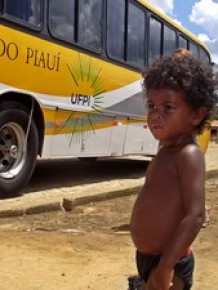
70, 80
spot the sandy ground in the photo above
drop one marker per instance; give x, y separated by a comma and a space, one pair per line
90, 247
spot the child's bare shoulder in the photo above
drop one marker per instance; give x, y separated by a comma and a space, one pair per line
190, 154
190, 149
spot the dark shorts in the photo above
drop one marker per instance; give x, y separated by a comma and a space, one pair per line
184, 268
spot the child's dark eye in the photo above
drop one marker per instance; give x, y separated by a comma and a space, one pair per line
168, 109
150, 106
162, 109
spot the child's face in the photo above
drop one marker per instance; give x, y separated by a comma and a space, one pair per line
169, 116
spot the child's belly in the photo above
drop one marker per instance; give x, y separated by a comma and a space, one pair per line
153, 223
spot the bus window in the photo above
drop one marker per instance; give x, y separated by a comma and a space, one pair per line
136, 36
154, 39
61, 19
169, 40
183, 42
115, 28
28, 11
90, 23
204, 55
194, 49
215, 71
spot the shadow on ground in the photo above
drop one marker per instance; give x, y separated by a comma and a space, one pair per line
58, 173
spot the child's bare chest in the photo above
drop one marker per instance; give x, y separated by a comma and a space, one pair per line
162, 169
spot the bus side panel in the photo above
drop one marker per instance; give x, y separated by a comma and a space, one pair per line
82, 134
203, 140
86, 94
118, 136
139, 139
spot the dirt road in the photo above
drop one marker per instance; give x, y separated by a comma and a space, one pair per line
88, 248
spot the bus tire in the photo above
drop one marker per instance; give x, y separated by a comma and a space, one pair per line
16, 163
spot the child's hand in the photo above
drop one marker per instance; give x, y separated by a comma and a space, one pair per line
160, 280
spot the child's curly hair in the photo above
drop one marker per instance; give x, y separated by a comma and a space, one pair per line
187, 74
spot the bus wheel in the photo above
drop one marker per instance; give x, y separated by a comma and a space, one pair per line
18, 152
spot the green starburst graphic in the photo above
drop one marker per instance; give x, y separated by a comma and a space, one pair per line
87, 81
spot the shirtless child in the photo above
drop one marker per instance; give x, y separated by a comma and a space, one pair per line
169, 211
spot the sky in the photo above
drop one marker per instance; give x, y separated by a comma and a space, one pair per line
198, 16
